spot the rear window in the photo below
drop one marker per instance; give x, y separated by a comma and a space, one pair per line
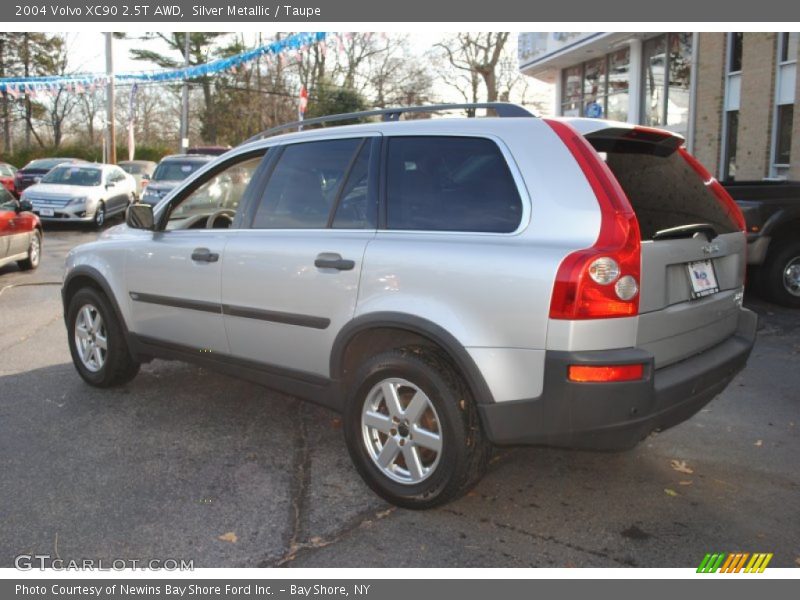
663, 189
450, 184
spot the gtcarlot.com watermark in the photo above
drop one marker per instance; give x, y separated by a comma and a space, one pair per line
43, 562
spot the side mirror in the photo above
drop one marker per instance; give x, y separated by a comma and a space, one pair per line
109, 185
140, 216
24, 206
145, 177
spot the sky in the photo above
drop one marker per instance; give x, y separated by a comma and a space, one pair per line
88, 52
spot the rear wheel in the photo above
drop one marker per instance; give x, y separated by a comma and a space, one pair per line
412, 429
97, 341
34, 252
781, 274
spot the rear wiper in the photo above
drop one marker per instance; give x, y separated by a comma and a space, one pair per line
686, 231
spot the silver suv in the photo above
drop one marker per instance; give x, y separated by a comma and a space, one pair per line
446, 284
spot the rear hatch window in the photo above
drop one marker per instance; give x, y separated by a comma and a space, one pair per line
693, 251
664, 190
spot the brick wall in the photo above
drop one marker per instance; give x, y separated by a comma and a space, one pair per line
710, 86
794, 172
757, 105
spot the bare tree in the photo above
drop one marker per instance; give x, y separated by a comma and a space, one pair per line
471, 62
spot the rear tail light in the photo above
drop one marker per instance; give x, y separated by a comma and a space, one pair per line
724, 198
605, 373
601, 281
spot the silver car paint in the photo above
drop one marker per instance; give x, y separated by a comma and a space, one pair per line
490, 291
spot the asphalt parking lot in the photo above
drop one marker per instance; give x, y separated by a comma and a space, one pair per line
185, 463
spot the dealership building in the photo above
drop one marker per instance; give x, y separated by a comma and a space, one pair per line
731, 95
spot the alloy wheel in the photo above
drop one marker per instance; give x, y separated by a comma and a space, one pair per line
91, 338
401, 431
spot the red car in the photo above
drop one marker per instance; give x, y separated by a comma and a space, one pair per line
7, 173
20, 232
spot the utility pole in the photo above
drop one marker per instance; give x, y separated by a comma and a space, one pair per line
185, 98
111, 136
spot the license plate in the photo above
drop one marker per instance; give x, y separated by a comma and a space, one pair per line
46, 212
703, 278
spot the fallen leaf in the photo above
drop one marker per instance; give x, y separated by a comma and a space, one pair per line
681, 466
316, 540
759, 443
797, 561
670, 492
229, 537
336, 423
684, 483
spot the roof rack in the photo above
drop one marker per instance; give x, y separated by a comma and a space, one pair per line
503, 110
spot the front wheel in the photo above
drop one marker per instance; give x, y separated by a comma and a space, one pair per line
412, 429
97, 341
34, 252
99, 216
781, 274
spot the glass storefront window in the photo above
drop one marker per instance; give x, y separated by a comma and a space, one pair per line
655, 60
573, 91
617, 107
680, 69
597, 88
618, 71
667, 77
594, 87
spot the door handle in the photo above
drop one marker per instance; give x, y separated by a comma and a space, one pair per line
331, 260
204, 255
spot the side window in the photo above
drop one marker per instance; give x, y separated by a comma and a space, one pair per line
450, 184
356, 210
218, 197
304, 185
7, 201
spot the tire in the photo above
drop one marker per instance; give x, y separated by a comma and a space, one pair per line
780, 276
99, 216
34, 252
111, 366
449, 414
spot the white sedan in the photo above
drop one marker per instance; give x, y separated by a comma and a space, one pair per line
88, 193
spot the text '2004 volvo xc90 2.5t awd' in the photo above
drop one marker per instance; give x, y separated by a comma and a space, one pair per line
445, 284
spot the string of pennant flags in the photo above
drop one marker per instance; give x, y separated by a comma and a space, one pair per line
284, 51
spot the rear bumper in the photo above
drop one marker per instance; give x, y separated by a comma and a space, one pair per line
614, 416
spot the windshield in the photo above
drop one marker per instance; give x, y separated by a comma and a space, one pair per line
174, 170
46, 163
73, 175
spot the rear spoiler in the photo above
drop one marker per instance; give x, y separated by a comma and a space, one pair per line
641, 140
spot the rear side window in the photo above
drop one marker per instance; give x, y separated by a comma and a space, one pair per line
304, 185
450, 184
665, 191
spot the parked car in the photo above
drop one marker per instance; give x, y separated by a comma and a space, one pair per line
772, 213
82, 193
140, 170
36, 169
445, 284
7, 173
20, 233
169, 173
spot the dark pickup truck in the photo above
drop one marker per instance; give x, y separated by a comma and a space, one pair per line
772, 213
